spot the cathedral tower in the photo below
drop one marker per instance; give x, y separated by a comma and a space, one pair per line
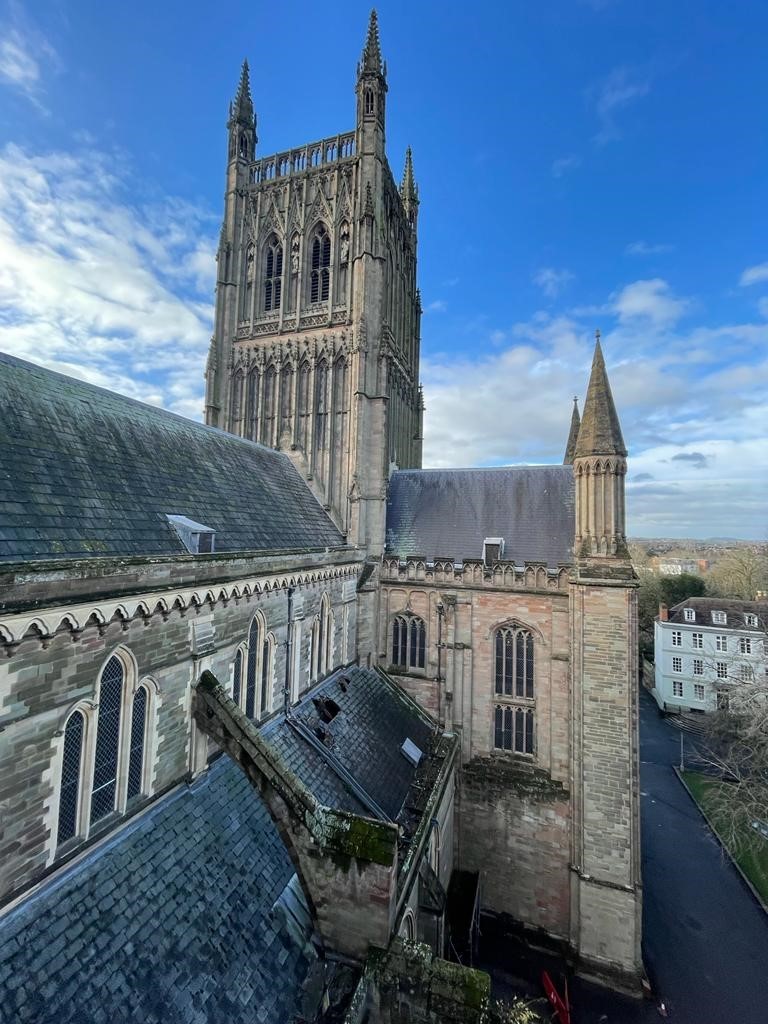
316, 339
605, 836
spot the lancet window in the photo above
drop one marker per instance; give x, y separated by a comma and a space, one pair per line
320, 265
273, 274
514, 708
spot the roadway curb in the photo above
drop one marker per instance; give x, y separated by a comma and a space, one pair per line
716, 834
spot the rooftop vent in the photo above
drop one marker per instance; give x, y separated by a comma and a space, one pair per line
411, 751
196, 538
493, 550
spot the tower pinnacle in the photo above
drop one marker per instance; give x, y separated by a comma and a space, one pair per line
573, 434
408, 189
371, 58
241, 109
599, 432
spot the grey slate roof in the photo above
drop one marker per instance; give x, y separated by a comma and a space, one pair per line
186, 917
449, 512
735, 611
84, 472
365, 736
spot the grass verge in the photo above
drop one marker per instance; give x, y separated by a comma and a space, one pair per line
751, 857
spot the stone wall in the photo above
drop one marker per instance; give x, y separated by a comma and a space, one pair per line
55, 665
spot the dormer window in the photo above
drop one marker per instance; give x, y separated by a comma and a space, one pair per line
493, 550
750, 620
689, 614
719, 618
196, 538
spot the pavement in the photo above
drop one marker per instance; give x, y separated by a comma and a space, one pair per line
705, 938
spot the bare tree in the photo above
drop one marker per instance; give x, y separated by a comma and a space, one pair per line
741, 573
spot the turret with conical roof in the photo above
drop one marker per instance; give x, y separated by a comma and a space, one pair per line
599, 465
573, 434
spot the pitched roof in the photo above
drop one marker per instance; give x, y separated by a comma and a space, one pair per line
734, 609
85, 472
600, 431
449, 512
188, 914
363, 740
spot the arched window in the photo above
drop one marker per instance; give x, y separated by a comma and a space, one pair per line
513, 722
273, 274
369, 101
320, 265
408, 927
251, 680
409, 641
71, 770
237, 677
265, 701
138, 740
106, 758
322, 653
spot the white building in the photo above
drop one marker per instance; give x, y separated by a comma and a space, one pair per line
705, 648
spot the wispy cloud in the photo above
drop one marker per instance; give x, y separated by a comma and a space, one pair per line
651, 300
23, 51
552, 281
696, 459
106, 289
564, 164
612, 95
754, 275
647, 248
437, 306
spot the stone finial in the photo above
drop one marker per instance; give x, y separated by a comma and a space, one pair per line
409, 191
573, 434
599, 431
241, 109
371, 58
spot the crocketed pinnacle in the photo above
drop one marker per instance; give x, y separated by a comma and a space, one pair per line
242, 107
408, 188
573, 434
599, 432
371, 59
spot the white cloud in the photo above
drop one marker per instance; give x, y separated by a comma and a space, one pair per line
564, 164
94, 285
647, 249
22, 47
650, 300
754, 275
620, 88
552, 281
438, 306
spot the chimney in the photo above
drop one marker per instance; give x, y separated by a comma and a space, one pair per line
663, 613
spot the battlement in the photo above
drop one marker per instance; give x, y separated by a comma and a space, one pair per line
475, 573
337, 149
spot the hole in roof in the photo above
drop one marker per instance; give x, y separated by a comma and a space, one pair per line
326, 708
344, 682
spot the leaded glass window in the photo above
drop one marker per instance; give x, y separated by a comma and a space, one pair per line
104, 793
138, 732
253, 662
237, 674
265, 681
71, 769
320, 266
513, 676
273, 274
409, 641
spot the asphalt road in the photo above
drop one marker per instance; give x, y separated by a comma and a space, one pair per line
705, 939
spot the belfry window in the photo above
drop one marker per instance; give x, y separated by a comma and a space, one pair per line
320, 266
409, 641
513, 663
273, 274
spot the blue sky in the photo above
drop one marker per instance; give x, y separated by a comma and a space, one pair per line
582, 164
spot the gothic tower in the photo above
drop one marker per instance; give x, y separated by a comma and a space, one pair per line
605, 837
316, 339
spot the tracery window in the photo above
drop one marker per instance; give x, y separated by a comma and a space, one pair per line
514, 709
258, 676
273, 274
105, 751
320, 265
409, 641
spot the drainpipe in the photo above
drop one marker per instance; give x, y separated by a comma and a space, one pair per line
288, 647
440, 614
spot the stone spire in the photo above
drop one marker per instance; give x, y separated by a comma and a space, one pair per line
600, 432
408, 188
371, 58
241, 109
570, 448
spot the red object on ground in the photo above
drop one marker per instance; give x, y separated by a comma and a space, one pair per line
561, 1007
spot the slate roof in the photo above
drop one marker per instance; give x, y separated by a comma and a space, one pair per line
734, 610
599, 430
188, 916
85, 472
449, 512
365, 737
